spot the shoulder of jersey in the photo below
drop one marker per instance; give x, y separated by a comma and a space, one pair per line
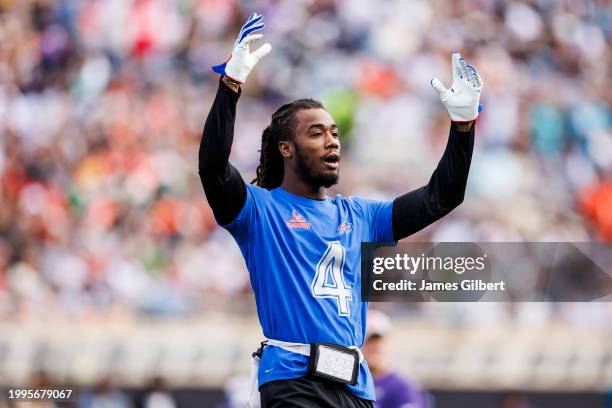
259, 192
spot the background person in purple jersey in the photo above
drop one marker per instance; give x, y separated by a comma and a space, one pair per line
302, 247
392, 389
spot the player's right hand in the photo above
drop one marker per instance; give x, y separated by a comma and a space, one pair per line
242, 61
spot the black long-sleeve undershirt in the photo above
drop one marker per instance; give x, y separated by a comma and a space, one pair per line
223, 184
417, 209
226, 191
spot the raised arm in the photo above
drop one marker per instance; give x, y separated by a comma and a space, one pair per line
446, 188
417, 209
223, 185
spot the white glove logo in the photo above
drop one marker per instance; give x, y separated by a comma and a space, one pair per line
242, 61
462, 99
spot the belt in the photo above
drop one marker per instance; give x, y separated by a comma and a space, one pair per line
303, 349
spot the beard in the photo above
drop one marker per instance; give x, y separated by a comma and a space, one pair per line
311, 176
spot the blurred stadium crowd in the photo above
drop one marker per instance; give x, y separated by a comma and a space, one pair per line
102, 104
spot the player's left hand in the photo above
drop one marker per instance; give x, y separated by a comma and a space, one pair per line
462, 100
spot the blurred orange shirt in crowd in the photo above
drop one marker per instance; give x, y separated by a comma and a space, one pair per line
596, 204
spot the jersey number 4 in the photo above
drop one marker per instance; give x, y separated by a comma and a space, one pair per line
329, 279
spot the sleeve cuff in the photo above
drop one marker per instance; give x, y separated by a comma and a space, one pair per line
226, 89
455, 128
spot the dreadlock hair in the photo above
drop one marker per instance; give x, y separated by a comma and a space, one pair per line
270, 171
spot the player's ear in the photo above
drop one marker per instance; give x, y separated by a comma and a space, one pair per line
286, 148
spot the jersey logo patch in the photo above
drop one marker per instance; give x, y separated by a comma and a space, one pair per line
298, 222
345, 227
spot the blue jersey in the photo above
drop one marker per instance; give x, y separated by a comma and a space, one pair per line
303, 257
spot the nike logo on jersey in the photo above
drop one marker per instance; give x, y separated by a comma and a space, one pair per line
298, 222
345, 227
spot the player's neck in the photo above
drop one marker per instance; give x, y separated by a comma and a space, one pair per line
295, 185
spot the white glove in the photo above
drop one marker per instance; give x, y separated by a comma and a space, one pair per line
242, 61
462, 99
